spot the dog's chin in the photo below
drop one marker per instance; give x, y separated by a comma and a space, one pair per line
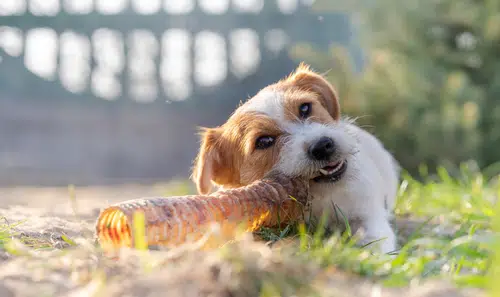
331, 173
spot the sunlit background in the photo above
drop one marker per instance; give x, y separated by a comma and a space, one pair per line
113, 91
95, 48
100, 91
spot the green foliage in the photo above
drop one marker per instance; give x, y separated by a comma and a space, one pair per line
431, 82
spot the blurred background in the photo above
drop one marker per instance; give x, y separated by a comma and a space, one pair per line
99, 92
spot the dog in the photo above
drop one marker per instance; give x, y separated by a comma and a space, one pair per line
294, 126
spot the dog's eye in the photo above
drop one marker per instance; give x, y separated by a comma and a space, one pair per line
305, 110
264, 142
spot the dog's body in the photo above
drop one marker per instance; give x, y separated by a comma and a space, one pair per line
365, 195
294, 126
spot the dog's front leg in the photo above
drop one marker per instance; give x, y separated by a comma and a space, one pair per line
377, 234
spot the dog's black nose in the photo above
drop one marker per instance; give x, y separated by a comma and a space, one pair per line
322, 149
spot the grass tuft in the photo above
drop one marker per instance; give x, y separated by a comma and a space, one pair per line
445, 229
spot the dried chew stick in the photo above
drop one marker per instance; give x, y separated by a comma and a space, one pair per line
175, 220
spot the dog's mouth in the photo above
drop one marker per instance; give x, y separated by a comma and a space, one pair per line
332, 172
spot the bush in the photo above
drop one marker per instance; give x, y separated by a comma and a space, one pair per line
431, 78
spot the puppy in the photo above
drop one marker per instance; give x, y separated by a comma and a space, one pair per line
294, 126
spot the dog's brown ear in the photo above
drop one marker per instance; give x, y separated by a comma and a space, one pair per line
206, 161
306, 79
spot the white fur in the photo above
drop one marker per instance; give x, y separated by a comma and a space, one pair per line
267, 102
367, 191
367, 188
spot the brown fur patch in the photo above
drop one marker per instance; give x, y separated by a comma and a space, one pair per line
228, 156
295, 97
307, 80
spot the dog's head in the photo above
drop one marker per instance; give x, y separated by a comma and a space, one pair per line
292, 126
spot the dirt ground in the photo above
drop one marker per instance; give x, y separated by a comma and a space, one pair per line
48, 213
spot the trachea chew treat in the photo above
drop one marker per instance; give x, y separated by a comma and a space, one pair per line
172, 221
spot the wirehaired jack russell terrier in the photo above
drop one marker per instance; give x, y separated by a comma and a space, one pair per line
294, 126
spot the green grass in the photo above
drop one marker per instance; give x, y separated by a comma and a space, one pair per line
17, 243
452, 237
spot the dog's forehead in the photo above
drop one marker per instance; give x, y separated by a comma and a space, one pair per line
268, 101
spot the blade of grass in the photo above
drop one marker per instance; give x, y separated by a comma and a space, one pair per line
139, 223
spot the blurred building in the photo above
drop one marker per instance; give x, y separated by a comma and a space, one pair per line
104, 91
